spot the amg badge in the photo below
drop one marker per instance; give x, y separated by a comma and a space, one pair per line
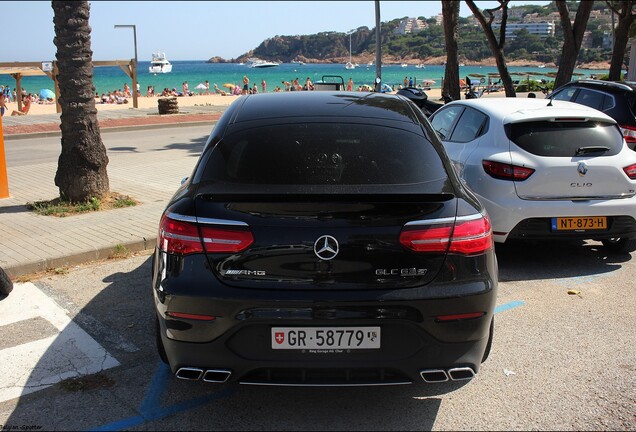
244, 273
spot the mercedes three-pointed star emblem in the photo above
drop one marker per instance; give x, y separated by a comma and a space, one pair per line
326, 247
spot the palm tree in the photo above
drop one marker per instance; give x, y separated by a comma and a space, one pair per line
81, 170
450, 13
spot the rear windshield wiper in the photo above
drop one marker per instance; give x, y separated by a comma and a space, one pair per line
592, 149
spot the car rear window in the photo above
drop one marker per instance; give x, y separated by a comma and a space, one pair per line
324, 154
564, 139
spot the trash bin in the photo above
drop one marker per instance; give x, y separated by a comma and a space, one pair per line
168, 105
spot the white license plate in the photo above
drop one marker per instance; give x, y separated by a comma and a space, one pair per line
325, 338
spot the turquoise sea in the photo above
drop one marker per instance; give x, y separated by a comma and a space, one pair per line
197, 71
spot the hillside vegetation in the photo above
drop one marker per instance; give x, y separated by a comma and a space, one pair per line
427, 46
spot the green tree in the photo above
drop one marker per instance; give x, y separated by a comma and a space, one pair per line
572, 37
81, 171
496, 44
626, 16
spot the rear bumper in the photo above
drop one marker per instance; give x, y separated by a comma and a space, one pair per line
514, 218
245, 353
238, 341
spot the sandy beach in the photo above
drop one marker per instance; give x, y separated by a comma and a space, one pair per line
206, 100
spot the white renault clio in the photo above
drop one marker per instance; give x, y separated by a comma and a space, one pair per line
544, 170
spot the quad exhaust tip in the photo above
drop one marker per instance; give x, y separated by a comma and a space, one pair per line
208, 375
217, 375
440, 375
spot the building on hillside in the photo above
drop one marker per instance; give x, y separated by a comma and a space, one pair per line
411, 25
439, 19
541, 29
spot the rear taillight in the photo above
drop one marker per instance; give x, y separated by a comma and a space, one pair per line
182, 237
179, 237
629, 133
506, 171
469, 235
218, 240
630, 171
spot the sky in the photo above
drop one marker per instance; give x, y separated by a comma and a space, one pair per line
197, 30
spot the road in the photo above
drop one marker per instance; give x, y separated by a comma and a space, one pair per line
34, 151
559, 361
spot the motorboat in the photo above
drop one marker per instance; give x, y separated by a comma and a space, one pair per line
159, 63
404, 65
420, 66
258, 63
349, 65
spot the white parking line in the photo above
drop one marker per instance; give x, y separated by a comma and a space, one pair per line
33, 365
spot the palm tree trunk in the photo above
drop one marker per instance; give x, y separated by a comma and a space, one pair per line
450, 12
81, 172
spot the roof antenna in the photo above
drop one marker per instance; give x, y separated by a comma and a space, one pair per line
550, 103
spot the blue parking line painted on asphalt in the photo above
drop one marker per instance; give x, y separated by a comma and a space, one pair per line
151, 409
507, 306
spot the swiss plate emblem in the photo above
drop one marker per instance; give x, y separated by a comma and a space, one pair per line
280, 337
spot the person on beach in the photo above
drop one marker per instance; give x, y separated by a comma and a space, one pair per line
350, 84
287, 85
207, 87
308, 84
246, 85
406, 81
127, 90
254, 89
263, 86
185, 89
3, 103
26, 104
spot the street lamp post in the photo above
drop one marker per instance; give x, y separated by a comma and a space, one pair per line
133, 72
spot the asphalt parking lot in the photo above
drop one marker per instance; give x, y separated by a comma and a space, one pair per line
559, 362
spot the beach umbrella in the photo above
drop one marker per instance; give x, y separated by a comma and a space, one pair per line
229, 85
429, 82
47, 94
200, 86
477, 75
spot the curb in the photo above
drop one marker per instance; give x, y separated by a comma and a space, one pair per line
78, 258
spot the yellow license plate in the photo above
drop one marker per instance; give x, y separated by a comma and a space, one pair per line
579, 223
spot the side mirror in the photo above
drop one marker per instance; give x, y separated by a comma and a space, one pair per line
183, 180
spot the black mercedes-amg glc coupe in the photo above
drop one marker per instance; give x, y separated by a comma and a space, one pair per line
323, 238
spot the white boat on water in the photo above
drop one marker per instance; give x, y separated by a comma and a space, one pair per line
404, 65
420, 66
258, 63
349, 65
159, 63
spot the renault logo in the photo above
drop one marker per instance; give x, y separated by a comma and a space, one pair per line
326, 247
582, 168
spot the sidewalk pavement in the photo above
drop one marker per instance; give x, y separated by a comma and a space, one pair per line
30, 243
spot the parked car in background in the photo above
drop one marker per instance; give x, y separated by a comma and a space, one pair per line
324, 239
544, 169
616, 99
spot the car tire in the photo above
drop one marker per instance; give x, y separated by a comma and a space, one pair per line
620, 245
6, 285
490, 337
160, 348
